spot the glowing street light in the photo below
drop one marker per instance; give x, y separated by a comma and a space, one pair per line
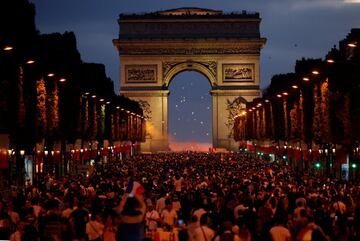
306, 79
93, 96
62, 80
8, 48
330, 61
279, 95
267, 101
50, 74
352, 45
30, 61
315, 72
285, 93
295, 87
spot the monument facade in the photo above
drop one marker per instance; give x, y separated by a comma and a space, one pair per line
224, 47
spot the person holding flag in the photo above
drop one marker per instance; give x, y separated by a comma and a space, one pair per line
132, 210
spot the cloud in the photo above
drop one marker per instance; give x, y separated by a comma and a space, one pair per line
311, 4
352, 1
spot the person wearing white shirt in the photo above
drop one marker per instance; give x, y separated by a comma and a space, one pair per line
68, 210
94, 228
279, 232
178, 182
169, 215
204, 233
152, 217
192, 226
160, 204
198, 213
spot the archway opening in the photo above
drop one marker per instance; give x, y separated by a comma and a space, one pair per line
190, 112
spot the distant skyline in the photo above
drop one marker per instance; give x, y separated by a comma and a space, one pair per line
293, 28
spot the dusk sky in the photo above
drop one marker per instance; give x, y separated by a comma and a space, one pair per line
293, 28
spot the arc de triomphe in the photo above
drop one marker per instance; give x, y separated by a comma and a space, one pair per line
154, 47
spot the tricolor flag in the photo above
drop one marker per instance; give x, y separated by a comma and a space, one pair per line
134, 188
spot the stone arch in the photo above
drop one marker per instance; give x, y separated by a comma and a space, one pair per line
189, 66
166, 43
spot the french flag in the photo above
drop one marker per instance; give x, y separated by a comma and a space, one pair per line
135, 188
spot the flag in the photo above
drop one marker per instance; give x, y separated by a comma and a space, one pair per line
135, 188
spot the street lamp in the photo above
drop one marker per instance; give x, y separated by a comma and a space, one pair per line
8, 48
315, 72
30, 61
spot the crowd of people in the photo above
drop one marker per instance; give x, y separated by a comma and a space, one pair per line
190, 196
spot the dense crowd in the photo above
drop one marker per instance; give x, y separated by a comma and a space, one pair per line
190, 196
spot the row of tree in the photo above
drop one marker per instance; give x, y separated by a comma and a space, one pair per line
318, 105
48, 94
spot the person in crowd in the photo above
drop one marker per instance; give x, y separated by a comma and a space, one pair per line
169, 215
203, 232
227, 234
95, 228
78, 219
152, 218
160, 203
18, 234
260, 199
279, 232
132, 213
192, 226
68, 209
110, 227
178, 183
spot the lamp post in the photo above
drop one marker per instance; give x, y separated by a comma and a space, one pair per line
20, 167
45, 165
333, 161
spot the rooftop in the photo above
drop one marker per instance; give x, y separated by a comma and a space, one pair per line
189, 13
